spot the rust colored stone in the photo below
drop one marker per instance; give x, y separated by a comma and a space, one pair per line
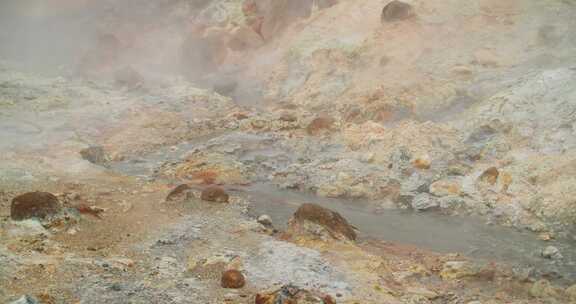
320, 124
331, 220
34, 204
215, 194
177, 192
328, 300
232, 279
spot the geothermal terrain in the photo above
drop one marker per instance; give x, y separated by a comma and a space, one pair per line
288, 151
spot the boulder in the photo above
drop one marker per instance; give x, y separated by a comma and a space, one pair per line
317, 221
396, 11
319, 125
215, 194
551, 252
34, 205
232, 279
178, 193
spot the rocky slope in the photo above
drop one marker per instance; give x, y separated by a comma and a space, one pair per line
428, 106
467, 88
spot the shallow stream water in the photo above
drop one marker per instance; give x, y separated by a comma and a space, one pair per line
429, 230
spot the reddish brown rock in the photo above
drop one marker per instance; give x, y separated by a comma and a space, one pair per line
332, 222
396, 11
490, 176
34, 204
263, 299
178, 193
215, 194
328, 300
232, 279
320, 124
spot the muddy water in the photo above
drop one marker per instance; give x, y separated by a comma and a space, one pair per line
446, 234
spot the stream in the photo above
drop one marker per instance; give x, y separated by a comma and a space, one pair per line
465, 235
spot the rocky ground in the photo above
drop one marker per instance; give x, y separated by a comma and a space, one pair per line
434, 107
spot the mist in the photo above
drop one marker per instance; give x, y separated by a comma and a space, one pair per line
287, 151
46, 34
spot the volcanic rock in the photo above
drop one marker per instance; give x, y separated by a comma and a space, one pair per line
396, 11
215, 194
551, 252
232, 279
311, 219
34, 204
178, 193
320, 124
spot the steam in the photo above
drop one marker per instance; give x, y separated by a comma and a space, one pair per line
135, 39
48, 34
